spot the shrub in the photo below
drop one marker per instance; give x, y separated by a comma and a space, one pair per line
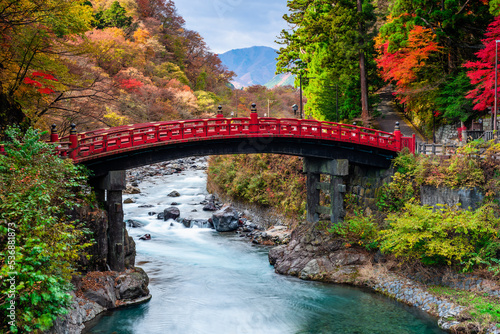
266, 179
445, 236
38, 246
359, 230
401, 190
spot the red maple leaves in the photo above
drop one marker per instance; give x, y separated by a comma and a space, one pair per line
131, 84
42, 86
482, 72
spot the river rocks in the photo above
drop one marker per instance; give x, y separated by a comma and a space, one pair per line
132, 285
132, 190
174, 193
171, 213
137, 175
99, 287
146, 236
275, 235
210, 207
134, 223
211, 203
226, 219
190, 223
80, 311
128, 201
100, 291
310, 270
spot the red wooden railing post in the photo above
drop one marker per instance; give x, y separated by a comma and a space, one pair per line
254, 119
54, 136
73, 140
397, 136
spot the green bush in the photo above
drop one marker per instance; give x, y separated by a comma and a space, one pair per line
394, 196
359, 230
446, 236
266, 179
39, 247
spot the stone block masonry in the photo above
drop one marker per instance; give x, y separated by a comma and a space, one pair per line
365, 184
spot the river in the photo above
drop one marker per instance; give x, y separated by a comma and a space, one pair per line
206, 282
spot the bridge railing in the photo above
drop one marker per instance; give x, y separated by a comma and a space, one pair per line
129, 137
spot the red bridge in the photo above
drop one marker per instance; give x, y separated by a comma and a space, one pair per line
327, 148
136, 145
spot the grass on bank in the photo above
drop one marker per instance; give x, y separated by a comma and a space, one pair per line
481, 308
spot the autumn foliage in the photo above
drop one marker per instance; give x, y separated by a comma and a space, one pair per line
402, 66
39, 80
482, 71
95, 62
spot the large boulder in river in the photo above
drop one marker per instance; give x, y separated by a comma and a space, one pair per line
226, 219
171, 213
132, 284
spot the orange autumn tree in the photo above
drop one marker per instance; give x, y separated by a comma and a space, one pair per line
403, 66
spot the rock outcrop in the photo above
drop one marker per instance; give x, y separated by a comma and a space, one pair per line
314, 254
100, 291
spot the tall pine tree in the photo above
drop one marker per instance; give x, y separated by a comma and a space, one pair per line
331, 48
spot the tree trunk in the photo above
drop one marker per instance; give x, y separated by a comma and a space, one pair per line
365, 114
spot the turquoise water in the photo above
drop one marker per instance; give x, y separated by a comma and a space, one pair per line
206, 282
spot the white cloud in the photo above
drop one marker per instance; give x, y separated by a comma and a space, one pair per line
233, 24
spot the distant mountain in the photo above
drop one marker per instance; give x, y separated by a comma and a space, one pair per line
253, 66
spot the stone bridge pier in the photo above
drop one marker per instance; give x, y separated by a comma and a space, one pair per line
337, 169
108, 189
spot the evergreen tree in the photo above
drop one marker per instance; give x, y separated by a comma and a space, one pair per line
114, 16
331, 45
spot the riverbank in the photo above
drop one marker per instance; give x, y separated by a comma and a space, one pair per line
313, 254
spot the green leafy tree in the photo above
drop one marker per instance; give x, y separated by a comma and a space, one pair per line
39, 247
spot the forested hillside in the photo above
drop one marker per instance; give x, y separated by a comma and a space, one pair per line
439, 55
103, 63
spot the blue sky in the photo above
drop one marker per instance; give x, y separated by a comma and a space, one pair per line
234, 24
